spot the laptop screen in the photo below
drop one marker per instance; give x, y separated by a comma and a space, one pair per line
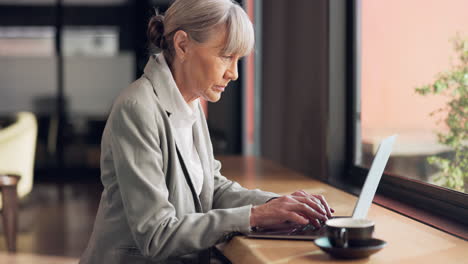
373, 178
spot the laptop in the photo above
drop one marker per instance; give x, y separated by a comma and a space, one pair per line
309, 232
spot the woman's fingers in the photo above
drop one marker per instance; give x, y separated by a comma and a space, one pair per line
307, 211
299, 193
313, 203
325, 204
320, 199
301, 209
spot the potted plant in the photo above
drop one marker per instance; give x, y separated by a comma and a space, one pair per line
453, 84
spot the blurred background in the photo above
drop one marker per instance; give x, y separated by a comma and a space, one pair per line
327, 81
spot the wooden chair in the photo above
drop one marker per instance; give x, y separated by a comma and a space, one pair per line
17, 151
8, 185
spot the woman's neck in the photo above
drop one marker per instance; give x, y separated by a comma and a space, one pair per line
180, 80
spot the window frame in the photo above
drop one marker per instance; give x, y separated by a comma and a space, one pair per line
431, 198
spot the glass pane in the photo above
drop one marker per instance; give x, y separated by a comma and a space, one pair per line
67, 2
27, 68
26, 41
407, 45
90, 41
95, 71
28, 78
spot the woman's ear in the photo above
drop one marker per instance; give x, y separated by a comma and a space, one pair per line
181, 43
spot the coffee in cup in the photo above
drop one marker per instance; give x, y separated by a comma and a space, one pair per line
343, 232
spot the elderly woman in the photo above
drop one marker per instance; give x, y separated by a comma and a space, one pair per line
164, 199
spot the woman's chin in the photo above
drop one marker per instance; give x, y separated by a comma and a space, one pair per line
213, 98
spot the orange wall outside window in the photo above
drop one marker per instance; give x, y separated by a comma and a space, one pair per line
405, 43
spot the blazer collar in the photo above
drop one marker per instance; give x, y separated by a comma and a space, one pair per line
159, 74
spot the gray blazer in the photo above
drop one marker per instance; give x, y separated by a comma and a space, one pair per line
149, 212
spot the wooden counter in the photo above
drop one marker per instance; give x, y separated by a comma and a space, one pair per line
408, 241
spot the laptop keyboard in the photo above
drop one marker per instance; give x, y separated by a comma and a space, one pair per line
308, 230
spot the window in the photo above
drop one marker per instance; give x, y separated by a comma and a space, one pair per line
400, 46
96, 42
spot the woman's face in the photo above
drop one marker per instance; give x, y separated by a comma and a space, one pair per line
204, 70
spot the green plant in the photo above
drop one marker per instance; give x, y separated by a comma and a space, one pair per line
454, 85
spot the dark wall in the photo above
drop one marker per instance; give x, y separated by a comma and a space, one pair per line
224, 120
295, 84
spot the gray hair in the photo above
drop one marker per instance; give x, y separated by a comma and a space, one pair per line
198, 18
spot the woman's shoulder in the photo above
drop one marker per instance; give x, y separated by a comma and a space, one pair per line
138, 96
140, 92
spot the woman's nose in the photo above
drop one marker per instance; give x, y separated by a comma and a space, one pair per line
231, 72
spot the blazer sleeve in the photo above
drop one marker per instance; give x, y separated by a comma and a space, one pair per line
228, 194
138, 163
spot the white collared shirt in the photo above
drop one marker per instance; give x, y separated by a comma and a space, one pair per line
183, 119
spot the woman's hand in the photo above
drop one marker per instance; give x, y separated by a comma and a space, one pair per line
320, 199
299, 207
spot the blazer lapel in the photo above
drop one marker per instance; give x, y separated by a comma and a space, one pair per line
196, 199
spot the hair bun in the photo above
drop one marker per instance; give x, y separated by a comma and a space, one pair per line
156, 32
